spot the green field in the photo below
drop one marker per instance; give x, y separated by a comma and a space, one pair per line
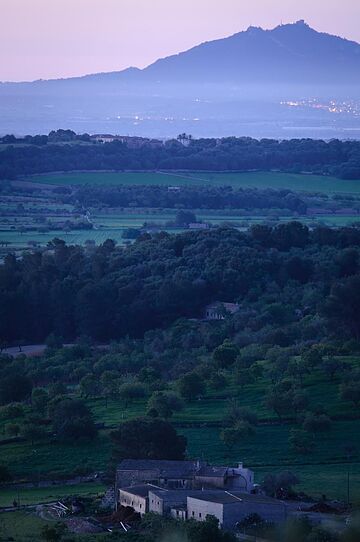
48, 494
259, 179
111, 178
112, 226
321, 471
20, 526
34, 462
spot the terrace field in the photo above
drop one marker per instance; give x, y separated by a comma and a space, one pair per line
112, 226
258, 179
30, 496
322, 470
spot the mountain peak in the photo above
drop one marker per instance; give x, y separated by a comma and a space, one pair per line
301, 22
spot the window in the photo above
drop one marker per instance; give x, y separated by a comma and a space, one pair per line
140, 505
193, 513
199, 514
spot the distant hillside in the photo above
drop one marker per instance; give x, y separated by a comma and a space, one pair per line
291, 53
231, 86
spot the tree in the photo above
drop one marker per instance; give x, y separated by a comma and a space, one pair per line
72, 420
301, 441
53, 533
342, 306
315, 423
313, 356
350, 391
285, 397
348, 262
5, 475
13, 411
292, 234
12, 429
333, 365
191, 386
232, 435
216, 381
131, 233
33, 432
130, 391
14, 388
184, 218
207, 531
110, 384
225, 355
164, 404
236, 413
279, 485
146, 438
39, 399
243, 377
89, 386
303, 530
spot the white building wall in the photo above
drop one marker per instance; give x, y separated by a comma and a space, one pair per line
139, 504
198, 509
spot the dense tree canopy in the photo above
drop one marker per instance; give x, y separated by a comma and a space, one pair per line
57, 152
112, 292
146, 438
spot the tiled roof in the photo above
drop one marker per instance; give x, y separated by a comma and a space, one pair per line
140, 490
217, 305
165, 468
209, 471
227, 497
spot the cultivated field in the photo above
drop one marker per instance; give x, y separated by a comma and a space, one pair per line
322, 470
47, 494
258, 179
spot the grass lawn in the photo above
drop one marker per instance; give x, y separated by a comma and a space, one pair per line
48, 494
18, 240
321, 471
268, 448
56, 459
20, 526
112, 178
258, 179
277, 180
269, 445
317, 480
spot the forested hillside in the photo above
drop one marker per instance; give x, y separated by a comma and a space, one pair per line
293, 284
42, 154
276, 384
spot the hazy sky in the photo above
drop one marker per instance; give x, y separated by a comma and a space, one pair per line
60, 38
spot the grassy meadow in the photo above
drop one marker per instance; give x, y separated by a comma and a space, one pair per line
321, 471
48, 494
256, 179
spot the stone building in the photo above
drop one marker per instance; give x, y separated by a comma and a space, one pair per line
182, 475
230, 508
219, 310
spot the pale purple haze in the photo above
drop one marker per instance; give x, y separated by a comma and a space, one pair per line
62, 38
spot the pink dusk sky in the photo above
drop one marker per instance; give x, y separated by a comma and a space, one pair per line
61, 38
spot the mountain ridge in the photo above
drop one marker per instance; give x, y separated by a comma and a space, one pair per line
287, 52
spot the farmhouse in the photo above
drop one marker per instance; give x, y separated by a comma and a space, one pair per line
174, 475
231, 507
218, 310
228, 507
199, 226
137, 497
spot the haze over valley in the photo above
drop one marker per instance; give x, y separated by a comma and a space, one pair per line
288, 82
